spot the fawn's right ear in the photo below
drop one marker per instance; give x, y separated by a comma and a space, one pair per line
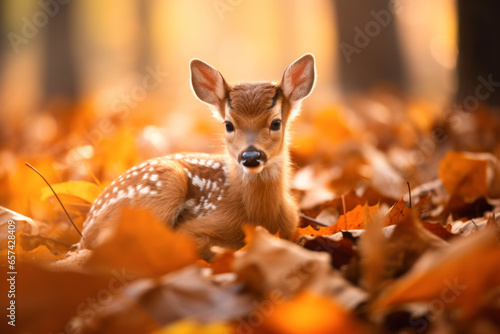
209, 86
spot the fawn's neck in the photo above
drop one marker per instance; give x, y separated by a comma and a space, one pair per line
263, 195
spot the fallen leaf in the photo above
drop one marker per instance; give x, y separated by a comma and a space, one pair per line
287, 269
143, 246
453, 277
306, 313
21, 223
397, 213
352, 220
464, 176
192, 327
80, 189
183, 294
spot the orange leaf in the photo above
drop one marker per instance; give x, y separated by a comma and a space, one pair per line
397, 212
307, 313
352, 220
464, 176
144, 246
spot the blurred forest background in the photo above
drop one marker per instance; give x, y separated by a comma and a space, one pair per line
106, 84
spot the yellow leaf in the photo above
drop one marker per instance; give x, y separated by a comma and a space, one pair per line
192, 327
81, 189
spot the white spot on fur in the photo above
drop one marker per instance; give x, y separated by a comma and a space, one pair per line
135, 173
158, 184
145, 177
190, 203
199, 182
154, 177
216, 165
153, 192
115, 189
151, 169
144, 190
143, 165
178, 156
188, 173
154, 162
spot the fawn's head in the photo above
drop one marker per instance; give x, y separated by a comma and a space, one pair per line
255, 115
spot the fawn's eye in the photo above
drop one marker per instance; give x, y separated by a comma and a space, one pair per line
276, 125
229, 126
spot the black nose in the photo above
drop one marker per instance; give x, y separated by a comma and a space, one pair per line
251, 158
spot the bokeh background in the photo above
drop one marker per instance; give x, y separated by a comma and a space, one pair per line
88, 88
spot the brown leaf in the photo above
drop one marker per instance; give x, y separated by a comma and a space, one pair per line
183, 294
464, 176
143, 246
287, 268
397, 213
454, 276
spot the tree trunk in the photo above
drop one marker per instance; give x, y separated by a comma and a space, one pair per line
60, 72
368, 45
479, 52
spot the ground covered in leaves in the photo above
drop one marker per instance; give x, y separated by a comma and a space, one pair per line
371, 255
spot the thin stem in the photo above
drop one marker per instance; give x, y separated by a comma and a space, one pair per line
67, 214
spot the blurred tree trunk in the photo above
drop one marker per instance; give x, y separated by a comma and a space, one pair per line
144, 18
368, 45
60, 67
479, 52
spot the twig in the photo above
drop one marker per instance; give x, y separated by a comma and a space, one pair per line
409, 192
343, 204
67, 214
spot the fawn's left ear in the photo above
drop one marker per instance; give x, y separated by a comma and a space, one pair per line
298, 80
209, 86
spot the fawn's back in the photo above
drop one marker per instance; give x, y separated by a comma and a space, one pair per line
211, 197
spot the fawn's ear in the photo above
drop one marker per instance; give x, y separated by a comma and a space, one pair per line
209, 86
298, 80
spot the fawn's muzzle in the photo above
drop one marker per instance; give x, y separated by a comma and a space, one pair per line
252, 157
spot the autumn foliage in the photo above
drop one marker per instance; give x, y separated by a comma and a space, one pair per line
373, 253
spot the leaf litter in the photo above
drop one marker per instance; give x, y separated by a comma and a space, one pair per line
373, 265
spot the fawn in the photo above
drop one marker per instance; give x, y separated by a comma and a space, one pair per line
211, 197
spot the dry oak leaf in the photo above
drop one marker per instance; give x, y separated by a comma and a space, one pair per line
80, 189
143, 246
456, 276
352, 220
306, 313
464, 176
